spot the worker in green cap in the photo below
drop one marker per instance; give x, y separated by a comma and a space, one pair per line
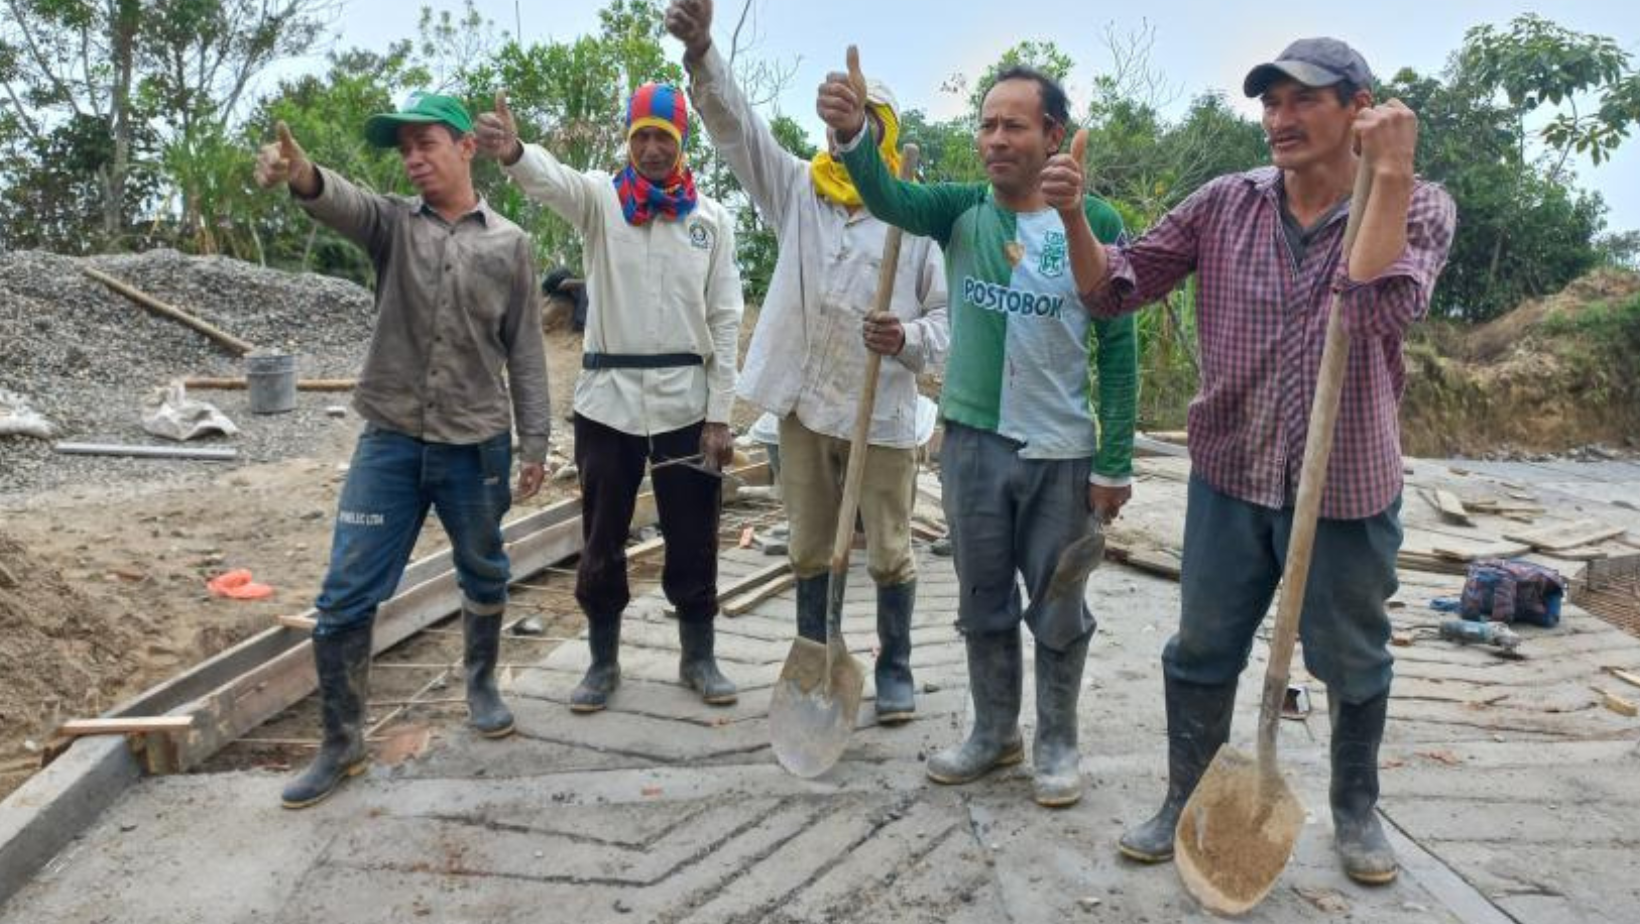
456, 305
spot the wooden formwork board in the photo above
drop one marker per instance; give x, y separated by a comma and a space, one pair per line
239, 689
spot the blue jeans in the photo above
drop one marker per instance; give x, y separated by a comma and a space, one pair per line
391, 483
1234, 553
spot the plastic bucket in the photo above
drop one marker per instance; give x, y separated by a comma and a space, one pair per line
270, 382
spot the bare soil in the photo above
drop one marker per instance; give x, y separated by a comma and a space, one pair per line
1507, 387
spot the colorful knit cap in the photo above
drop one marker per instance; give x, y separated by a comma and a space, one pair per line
656, 105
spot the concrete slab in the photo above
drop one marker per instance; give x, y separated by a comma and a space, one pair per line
1510, 796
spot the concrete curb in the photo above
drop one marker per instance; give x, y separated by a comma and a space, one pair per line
56, 804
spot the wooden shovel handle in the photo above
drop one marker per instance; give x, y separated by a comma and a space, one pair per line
844, 539
1312, 478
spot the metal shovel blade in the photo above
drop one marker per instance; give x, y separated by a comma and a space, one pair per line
1236, 833
812, 715
1078, 559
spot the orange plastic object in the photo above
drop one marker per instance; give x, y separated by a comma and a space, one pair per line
237, 584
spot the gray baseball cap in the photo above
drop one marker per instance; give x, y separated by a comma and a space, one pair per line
1314, 62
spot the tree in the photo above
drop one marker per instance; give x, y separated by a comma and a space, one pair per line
1537, 63
173, 65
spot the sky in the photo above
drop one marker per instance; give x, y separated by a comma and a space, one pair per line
1198, 45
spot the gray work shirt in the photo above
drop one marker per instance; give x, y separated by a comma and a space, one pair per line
456, 304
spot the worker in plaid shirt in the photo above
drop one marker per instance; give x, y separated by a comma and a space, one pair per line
1266, 246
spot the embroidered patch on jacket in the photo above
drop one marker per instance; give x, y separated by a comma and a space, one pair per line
700, 237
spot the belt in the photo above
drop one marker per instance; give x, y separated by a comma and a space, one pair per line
640, 360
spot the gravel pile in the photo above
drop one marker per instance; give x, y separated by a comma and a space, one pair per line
93, 361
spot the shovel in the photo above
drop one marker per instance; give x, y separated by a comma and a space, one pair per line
816, 701
1237, 832
1078, 559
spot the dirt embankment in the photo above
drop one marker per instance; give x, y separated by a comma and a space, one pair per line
65, 654
1555, 374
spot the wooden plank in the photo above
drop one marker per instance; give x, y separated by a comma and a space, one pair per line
645, 549
1448, 505
147, 452
75, 728
171, 312
210, 383
1567, 535
757, 578
1143, 445
240, 689
299, 623
1153, 561
753, 597
923, 531
1616, 703
1628, 677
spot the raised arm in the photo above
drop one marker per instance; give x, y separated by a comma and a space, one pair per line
919, 209
766, 170
359, 216
568, 192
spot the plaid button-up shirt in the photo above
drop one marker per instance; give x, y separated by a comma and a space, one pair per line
1261, 319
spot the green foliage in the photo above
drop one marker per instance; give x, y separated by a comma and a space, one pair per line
128, 123
1044, 56
1538, 63
1521, 232
1614, 328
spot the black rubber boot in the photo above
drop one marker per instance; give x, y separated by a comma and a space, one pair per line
1198, 724
343, 665
486, 713
995, 678
896, 692
698, 667
811, 607
1058, 780
593, 692
1357, 731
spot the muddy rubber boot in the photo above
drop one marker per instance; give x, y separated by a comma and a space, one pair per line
896, 692
1198, 724
343, 665
486, 713
604, 675
1362, 847
698, 669
995, 676
1058, 777
811, 607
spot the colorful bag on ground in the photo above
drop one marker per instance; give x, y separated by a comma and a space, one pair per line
1512, 591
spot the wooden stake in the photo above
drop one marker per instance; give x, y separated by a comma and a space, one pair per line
75, 728
241, 347
206, 383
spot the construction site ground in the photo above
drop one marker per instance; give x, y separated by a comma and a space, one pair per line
1509, 785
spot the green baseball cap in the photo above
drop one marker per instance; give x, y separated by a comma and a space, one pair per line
382, 129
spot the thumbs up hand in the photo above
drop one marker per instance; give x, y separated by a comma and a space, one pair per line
841, 103
497, 132
283, 161
1063, 184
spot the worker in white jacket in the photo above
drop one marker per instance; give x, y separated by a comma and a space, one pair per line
807, 356
657, 371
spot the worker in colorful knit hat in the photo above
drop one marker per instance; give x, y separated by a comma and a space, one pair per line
657, 371
807, 356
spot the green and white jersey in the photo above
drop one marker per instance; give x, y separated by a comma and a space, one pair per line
1025, 355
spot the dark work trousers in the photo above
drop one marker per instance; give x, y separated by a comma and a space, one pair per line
611, 464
